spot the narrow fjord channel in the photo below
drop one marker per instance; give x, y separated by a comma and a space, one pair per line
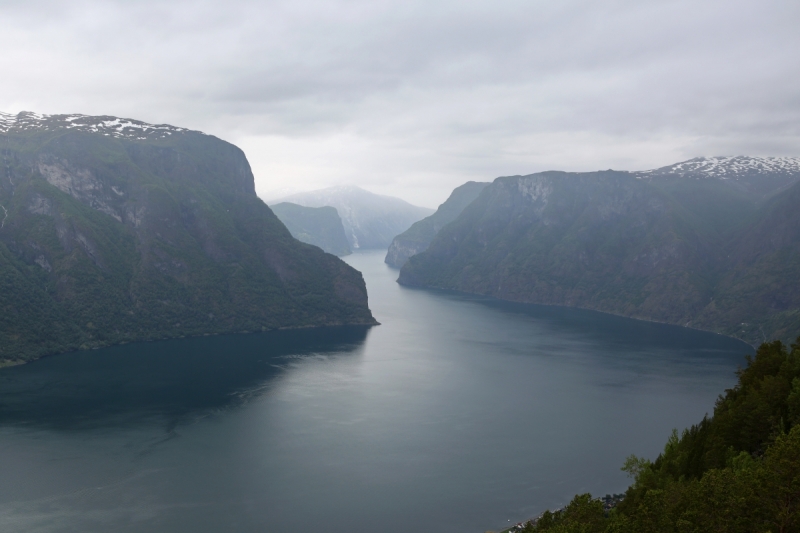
457, 414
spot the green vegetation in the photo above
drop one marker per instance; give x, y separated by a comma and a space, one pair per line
320, 226
738, 471
692, 252
113, 239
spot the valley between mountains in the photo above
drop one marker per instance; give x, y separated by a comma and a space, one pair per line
114, 230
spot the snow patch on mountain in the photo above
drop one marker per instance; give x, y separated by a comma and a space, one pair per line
105, 125
727, 167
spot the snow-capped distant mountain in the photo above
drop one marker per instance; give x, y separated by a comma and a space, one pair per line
370, 220
106, 125
760, 176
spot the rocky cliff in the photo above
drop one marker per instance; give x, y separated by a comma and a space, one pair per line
418, 237
320, 226
113, 230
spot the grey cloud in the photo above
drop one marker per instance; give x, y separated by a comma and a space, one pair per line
440, 92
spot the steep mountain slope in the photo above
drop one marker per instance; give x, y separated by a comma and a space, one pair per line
320, 226
759, 293
370, 220
706, 253
417, 238
602, 240
114, 230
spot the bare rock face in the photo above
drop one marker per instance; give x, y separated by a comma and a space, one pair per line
401, 249
80, 184
146, 232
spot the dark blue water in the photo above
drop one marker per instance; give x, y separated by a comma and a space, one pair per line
457, 414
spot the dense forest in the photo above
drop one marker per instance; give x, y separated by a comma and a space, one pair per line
738, 471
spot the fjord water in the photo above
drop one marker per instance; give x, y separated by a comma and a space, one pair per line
457, 414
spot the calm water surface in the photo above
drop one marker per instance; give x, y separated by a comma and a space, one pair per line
457, 414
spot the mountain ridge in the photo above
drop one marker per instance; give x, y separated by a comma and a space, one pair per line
103, 124
728, 167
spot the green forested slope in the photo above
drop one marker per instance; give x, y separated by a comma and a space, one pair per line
760, 286
693, 252
119, 231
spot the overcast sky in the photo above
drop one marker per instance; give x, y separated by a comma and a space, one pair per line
413, 98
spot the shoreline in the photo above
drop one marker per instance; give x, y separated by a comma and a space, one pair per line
7, 363
652, 321
610, 501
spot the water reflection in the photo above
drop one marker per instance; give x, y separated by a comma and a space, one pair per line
602, 329
611, 341
167, 381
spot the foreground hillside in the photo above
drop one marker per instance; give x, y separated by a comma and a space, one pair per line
738, 471
684, 248
370, 220
113, 230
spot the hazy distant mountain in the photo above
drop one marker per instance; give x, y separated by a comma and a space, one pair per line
113, 230
713, 244
320, 226
417, 238
370, 220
